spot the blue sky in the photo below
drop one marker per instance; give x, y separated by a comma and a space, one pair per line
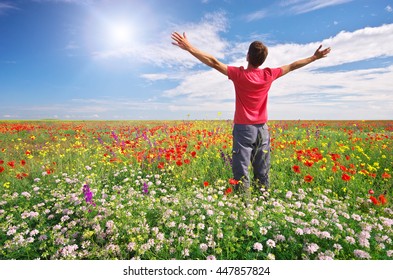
101, 59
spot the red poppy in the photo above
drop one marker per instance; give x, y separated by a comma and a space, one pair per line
382, 199
112, 160
11, 164
308, 178
179, 163
186, 161
193, 153
296, 168
343, 168
335, 157
161, 165
205, 183
370, 191
374, 200
23, 162
1, 169
1, 161
20, 176
308, 163
346, 177
386, 175
228, 191
233, 181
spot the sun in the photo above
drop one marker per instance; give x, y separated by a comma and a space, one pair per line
111, 31
120, 33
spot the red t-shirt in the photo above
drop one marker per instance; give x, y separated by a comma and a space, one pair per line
251, 88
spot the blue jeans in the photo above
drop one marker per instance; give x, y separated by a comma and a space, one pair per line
251, 144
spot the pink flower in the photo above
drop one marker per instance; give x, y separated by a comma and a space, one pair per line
258, 246
311, 248
270, 243
361, 254
299, 231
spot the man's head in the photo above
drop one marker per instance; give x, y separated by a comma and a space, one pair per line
257, 53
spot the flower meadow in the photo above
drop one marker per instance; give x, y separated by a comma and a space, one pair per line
162, 190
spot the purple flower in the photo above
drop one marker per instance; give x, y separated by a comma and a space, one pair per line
88, 195
114, 136
145, 188
100, 140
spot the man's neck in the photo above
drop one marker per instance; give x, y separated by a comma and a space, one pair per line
251, 67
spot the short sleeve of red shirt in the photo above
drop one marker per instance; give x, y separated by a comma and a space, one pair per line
252, 87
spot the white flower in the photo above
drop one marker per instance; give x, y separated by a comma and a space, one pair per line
271, 256
299, 231
361, 254
258, 246
131, 246
270, 243
350, 239
311, 248
201, 226
186, 252
160, 236
356, 217
26, 194
262, 230
203, 247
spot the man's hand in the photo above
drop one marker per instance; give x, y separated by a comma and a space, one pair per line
181, 41
321, 53
303, 62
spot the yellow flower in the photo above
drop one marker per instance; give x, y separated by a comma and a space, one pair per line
87, 234
7, 185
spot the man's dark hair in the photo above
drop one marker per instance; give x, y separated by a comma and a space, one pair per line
257, 53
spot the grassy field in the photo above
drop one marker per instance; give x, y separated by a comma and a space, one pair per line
162, 190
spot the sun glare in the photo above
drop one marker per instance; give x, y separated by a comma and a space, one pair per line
120, 33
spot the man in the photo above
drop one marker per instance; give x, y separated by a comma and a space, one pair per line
251, 139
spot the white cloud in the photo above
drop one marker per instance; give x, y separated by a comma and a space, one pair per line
155, 77
5, 7
256, 15
389, 9
305, 6
293, 7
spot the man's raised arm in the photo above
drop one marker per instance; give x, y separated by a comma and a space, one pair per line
182, 42
303, 62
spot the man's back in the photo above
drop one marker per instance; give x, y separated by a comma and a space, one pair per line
252, 86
